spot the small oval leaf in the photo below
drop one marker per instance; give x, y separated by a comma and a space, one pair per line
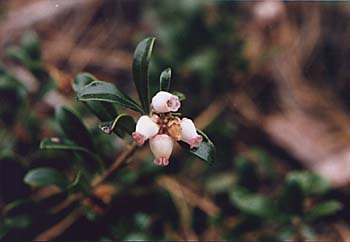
323, 209
107, 92
165, 79
291, 198
45, 176
142, 56
64, 144
311, 183
73, 128
81, 80
206, 151
61, 144
105, 111
251, 203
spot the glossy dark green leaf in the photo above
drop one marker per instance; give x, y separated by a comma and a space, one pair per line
80, 183
206, 151
121, 125
291, 198
251, 203
142, 57
81, 80
73, 128
64, 144
323, 209
311, 183
45, 176
165, 79
107, 92
105, 111
61, 144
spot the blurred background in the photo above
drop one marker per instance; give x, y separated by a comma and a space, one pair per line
268, 81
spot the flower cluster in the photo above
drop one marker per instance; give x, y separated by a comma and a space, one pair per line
163, 127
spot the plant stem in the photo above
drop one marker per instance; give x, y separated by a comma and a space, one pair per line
116, 164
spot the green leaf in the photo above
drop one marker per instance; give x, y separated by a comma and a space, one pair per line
291, 198
14, 204
31, 45
18, 222
142, 56
122, 124
73, 128
80, 183
64, 144
45, 176
107, 92
219, 183
165, 78
81, 80
323, 209
20, 55
247, 174
180, 95
312, 184
286, 234
61, 144
105, 111
206, 151
253, 204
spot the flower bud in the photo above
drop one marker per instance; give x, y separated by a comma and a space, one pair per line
146, 128
161, 146
189, 133
164, 102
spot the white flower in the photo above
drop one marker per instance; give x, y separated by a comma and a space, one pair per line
161, 147
146, 128
164, 102
189, 133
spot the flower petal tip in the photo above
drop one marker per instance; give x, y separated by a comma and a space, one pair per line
138, 138
196, 142
161, 161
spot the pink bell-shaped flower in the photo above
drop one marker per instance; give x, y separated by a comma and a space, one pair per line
164, 102
189, 133
161, 146
146, 128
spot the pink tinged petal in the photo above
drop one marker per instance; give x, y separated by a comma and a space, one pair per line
139, 138
145, 128
164, 102
189, 133
155, 118
161, 161
173, 103
161, 146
